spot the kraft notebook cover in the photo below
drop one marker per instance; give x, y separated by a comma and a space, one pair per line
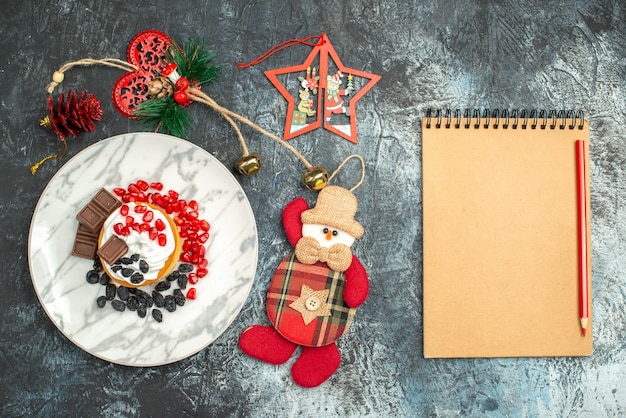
501, 252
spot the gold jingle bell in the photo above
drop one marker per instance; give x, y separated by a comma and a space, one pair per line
315, 178
248, 164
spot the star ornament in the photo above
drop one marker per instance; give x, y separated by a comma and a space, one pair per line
311, 304
322, 93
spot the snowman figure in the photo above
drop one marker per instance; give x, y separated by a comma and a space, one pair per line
314, 293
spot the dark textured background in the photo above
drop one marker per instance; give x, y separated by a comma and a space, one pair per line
500, 54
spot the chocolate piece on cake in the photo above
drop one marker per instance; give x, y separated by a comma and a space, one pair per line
85, 243
93, 215
113, 249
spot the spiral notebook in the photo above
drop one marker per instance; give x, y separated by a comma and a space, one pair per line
501, 252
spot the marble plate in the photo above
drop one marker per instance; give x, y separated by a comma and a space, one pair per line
59, 277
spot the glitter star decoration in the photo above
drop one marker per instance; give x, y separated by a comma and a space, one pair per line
311, 304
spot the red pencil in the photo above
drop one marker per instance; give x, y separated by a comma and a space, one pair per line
581, 183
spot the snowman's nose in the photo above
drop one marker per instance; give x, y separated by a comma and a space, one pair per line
329, 235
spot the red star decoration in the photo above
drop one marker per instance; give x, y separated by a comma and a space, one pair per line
328, 104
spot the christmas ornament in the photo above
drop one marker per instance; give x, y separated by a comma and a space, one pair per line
162, 78
314, 293
323, 93
155, 91
69, 116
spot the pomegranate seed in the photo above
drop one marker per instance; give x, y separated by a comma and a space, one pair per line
153, 233
125, 231
202, 238
148, 216
118, 228
191, 293
162, 240
173, 194
127, 198
193, 279
187, 245
203, 264
141, 208
192, 215
178, 220
160, 225
192, 236
145, 226
140, 197
193, 205
157, 186
194, 258
202, 272
124, 210
204, 225
132, 188
202, 251
119, 191
186, 257
136, 227
130, 220
182, 205
143, 185
170, 209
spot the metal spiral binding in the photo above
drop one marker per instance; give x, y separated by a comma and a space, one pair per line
506, 118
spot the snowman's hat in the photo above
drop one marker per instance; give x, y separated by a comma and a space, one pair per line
335, 207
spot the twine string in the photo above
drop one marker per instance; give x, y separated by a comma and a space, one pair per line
109, 62
348, 158
202, 97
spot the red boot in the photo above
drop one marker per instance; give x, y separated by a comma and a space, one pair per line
265, 344
315, 365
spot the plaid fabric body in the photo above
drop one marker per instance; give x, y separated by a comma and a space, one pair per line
285, 288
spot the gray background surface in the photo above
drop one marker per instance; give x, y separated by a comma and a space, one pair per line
439, 54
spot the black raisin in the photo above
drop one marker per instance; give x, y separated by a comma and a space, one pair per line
126, 260
133, 303
157, 315
163, 285
159, 300
182, 281
134, 257
142, 311
104, 279
143, 266
118, 305
126, 272
173, 276
110, 291
170, 303
136, 278
185, 268
101, 301
122, 293
144, 298
97, 264
115, 268
93, 277
179, 298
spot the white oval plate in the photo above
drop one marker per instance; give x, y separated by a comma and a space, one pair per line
59, 278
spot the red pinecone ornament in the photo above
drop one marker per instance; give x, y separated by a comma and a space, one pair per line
72, 114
